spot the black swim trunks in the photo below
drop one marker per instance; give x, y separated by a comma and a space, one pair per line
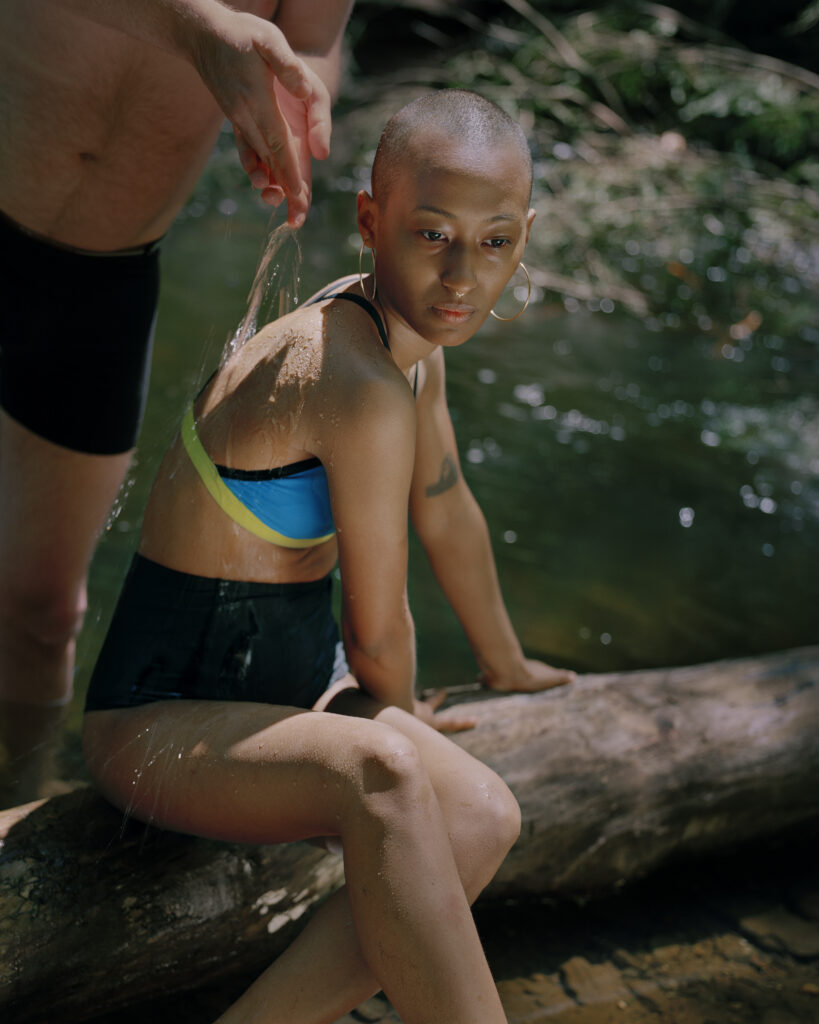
76, 332
176, 636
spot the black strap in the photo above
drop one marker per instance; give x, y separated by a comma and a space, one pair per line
365, 305
255, 475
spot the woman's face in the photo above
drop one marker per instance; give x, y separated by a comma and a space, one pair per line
449, 235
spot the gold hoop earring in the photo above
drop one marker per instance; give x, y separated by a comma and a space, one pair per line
525, 304
361, 272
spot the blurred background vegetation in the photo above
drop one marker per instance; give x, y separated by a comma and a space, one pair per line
646, 122
674, 145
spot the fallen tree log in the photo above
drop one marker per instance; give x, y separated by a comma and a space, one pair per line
615, 775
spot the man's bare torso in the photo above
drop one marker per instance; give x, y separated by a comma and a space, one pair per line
103, 136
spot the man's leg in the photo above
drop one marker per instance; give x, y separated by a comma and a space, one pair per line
53, 505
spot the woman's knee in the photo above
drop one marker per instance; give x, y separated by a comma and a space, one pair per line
387, 775
502, 815
484, 822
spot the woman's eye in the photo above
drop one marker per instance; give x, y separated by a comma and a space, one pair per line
433, 236
498, 243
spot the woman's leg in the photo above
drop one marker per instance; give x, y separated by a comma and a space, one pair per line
259, 774
323, 974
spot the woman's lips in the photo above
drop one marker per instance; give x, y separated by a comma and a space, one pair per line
453, 313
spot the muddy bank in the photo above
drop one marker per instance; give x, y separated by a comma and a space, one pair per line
729, 940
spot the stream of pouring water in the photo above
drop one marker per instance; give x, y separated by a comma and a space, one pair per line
273, 293
275, 287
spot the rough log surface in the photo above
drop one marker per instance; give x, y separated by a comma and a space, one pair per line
620, 772
615, 775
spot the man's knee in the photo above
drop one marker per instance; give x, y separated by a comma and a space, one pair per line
44, 608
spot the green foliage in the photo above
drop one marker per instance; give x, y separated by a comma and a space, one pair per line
675, 177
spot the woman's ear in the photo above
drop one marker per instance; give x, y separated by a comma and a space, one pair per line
367, 217
530, 216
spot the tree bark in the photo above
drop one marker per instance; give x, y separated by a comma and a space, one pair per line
616, 774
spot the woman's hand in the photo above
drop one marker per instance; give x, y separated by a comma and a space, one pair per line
527, 676
454, 722
279, 108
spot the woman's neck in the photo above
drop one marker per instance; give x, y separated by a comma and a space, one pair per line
406, 346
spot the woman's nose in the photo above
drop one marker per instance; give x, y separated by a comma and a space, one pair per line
458, 276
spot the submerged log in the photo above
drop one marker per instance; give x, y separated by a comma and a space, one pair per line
615, 774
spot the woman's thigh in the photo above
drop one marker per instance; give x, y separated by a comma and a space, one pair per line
244, 772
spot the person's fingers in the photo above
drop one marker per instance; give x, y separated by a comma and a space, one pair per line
280, 153
257, 172
247, 154
273, 195
541, 677
455, 724
298, 204
319, 122
556, 677
435, 700
289, 69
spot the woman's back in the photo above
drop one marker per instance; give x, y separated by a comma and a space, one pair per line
284, 400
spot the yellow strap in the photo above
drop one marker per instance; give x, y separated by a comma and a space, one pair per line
227, 500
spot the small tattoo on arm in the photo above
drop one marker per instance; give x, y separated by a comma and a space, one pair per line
447, 479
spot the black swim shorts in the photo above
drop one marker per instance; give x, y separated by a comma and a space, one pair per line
176, 636
76, 331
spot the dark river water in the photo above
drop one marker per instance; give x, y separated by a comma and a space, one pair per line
652, 493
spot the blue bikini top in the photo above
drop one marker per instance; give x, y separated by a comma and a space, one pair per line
288, 505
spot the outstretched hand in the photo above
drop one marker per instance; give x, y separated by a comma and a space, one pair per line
454, 722
530, 676
278, 107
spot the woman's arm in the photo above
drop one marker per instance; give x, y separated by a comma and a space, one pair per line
453, 531
369, 470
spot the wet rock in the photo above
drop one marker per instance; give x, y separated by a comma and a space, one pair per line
550, 992
516, 998
593, 983
733, 947
539, 991
666, 954
624, 959
645, 989
762, 963
779, 929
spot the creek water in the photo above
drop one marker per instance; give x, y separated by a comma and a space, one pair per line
652, 493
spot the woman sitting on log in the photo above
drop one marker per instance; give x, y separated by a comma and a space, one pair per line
222, 704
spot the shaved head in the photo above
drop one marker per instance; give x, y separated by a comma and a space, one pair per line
455, 115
